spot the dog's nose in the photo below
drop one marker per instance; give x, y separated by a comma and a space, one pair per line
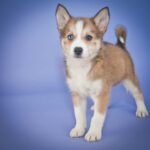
78, 51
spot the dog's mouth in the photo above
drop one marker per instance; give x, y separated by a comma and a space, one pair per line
78, 56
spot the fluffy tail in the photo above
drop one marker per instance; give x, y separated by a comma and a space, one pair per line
121, 36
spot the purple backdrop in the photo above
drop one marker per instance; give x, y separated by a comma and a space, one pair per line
35, 105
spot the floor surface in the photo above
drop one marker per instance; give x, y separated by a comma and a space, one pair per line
43, 121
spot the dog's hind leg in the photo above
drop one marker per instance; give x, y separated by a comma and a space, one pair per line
132, 85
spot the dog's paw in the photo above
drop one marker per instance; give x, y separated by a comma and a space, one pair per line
92, 136
141, 113
77, 132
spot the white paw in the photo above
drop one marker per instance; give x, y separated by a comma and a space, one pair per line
141, 113
77, 132
141, 109
92, 136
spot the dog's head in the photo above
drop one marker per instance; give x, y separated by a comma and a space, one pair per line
81, 37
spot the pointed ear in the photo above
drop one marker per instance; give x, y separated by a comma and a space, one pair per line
101, 19
62, 16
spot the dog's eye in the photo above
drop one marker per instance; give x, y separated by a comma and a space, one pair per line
88, 37
70, 37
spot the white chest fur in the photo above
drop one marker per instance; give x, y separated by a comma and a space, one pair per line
79, 81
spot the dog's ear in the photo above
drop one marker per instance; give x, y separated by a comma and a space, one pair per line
101, 19
62, 16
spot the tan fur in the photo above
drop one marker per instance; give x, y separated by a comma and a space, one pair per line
114, 65
101, 101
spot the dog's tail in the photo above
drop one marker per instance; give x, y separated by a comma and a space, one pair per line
121, 36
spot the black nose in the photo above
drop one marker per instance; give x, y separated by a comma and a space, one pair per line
78, 51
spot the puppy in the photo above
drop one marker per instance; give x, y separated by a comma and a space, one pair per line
93, 67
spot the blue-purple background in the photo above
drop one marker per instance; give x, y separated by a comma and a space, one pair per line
35, 106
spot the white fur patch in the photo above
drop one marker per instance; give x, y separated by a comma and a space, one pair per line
80, 114
79, 28
79, 81
78, 41
121, 39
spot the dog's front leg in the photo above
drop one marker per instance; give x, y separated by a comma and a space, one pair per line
79, 103
100, 106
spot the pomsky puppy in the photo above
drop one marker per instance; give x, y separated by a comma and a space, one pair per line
93, 67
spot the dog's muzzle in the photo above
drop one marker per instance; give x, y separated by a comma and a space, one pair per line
78, 52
